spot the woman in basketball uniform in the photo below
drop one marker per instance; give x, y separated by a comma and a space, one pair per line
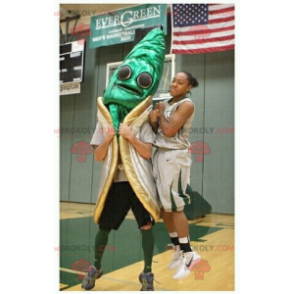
171, 121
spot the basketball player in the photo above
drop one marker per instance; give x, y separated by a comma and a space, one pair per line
171, 121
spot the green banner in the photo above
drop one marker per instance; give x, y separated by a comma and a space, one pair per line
119, 26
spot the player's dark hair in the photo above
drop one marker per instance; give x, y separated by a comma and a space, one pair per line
192, 80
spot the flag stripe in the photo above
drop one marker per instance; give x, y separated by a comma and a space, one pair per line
204, 45
221, 20
202, 40
184, 30
221, 15
225, 11
213, 33
204, 35
218, 34
203, 50
213, 7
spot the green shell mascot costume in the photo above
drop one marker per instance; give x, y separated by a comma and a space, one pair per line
127, 99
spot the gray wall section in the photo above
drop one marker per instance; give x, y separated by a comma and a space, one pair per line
214, 100
218, 172
66, 120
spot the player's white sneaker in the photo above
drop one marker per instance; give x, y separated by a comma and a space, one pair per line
177, 257
187, 263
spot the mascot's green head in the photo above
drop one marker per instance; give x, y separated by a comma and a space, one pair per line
137, 77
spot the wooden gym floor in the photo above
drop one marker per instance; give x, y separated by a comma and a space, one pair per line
211, 236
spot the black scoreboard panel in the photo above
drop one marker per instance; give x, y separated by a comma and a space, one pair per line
71, 67
65, 48
71, 62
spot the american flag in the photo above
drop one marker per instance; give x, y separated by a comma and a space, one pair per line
203, 28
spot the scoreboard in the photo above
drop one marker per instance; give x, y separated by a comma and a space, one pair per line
71, 62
